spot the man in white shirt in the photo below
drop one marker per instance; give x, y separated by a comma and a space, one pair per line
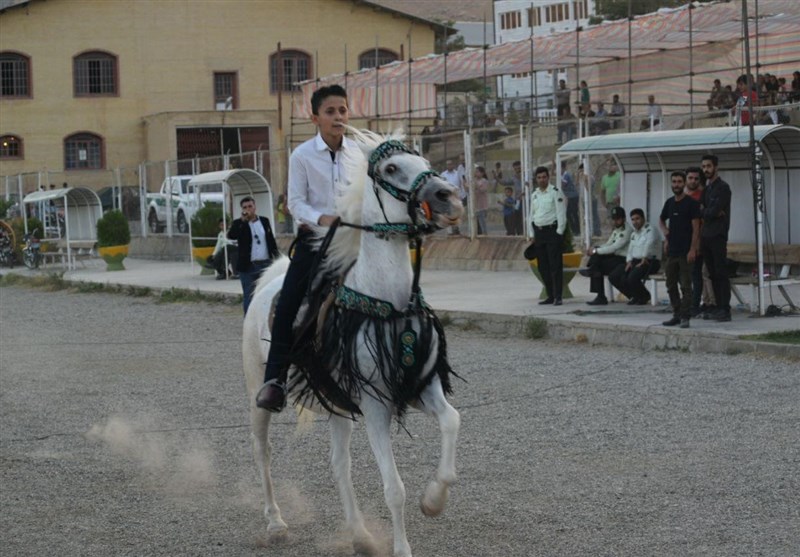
218, 260
548, 217
654, 115
256, 244
317, 175
644, 249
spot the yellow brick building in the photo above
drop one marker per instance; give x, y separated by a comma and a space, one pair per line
93, 85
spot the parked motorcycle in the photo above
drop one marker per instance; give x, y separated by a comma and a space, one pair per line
7, 255
31, 253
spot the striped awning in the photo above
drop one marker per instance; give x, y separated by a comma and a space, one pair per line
658, 44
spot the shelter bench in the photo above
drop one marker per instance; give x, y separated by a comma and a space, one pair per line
780, 256
81, 250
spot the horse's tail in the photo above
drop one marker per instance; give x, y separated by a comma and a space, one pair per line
278, 267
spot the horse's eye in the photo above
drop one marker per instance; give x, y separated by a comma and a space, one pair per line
390, 169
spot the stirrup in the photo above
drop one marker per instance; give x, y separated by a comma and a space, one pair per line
271, 401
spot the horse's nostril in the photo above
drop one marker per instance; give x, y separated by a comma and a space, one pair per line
443, 195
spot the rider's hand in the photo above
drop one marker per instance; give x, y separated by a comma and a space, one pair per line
326, 220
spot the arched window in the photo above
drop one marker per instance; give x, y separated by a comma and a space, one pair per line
83, 151
296, 66
15, 75
95, 74
10, 147
372, 58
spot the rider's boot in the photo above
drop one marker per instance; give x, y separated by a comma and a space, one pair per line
272, 394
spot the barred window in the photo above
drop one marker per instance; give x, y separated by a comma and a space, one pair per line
83, 151
295, 66
14, 75
225, 87
372, 57
95, 73
534, 17
510, 20
10, 147
581, 9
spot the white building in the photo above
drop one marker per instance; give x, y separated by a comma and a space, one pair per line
516, 20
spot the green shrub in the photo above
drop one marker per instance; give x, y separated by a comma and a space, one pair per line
536, 328
567, 245
4, 205
205, 224
113, 230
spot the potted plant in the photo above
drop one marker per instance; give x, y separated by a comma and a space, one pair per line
205, 228
113, 237
571, 260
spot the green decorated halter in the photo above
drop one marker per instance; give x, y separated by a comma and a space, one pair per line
386, 150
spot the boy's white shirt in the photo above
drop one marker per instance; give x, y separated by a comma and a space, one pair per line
315, 181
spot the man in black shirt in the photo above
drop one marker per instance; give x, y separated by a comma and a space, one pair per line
682, 241
716, 212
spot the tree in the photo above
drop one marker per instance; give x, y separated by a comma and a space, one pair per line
453, 42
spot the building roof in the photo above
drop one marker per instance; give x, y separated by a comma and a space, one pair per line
453, 10
390, 6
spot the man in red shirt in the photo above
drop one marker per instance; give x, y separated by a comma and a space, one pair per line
742, 108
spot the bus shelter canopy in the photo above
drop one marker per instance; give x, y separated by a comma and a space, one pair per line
82, 210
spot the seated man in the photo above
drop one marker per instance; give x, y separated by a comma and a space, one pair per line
600, 123
642, 260
217, 259
604, 259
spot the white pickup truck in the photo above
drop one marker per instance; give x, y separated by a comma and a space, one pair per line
184, 203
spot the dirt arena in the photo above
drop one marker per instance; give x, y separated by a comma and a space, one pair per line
123, 431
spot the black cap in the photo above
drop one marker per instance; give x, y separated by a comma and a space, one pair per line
617, 213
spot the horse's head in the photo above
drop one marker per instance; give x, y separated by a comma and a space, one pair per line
406, 189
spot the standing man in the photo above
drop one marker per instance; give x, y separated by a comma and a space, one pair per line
586, 185
682, 242
694, 189
571, 193
609, 185
453, 177
516, 181
562, 98
714, 237
549, 220
256, 244
617, 111
317, 176
641, 261
604, 259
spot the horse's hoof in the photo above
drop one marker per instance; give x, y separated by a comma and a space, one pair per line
277, 533
365, 546
434, 499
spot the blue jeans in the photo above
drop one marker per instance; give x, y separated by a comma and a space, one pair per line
248, 279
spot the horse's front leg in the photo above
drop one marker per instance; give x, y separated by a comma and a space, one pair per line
435, 404
276, 527
341, 432
378, 419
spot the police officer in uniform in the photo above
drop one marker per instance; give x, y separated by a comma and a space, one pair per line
549, 219
604, 259
644, 249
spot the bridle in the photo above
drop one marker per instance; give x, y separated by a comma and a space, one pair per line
415, 208
385, 230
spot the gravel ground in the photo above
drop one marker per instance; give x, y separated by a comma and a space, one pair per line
123, 431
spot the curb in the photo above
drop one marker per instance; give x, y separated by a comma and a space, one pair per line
656, 338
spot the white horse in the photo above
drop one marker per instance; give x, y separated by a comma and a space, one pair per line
397, 196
